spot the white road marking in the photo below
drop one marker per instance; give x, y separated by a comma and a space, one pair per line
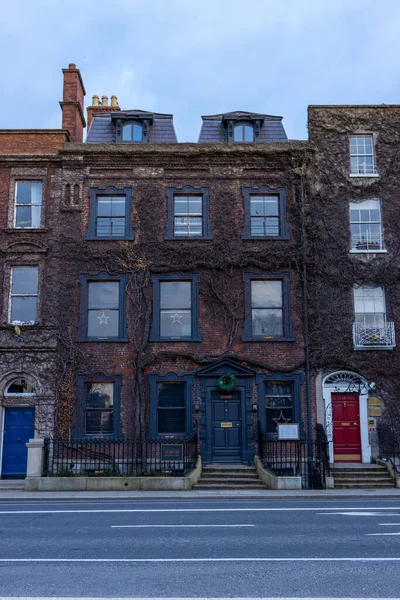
355, 513
175, 526
195, 560
383, 533
179, 598
390, 524
175, 510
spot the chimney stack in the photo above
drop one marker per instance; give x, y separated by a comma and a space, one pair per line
72, 104
101, 107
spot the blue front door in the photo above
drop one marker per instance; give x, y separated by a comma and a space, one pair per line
18, 429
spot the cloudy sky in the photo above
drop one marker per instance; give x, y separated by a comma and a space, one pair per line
199, 57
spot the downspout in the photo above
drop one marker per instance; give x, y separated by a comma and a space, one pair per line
299, 171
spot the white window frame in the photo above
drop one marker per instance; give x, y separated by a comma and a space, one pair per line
11, 296
369, 242
17, 182
364, 173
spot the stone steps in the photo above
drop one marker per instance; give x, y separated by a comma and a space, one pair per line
228, 477
362, 477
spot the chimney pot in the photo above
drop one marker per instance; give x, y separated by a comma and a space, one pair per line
95, 101
104, 100
71, 66
114, 101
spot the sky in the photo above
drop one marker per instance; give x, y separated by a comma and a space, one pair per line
199, 57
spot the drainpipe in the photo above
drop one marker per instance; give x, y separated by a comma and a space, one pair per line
305, 310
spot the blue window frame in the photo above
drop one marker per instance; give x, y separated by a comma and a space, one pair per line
110, 214
102, 308
265, 213
170, 405
175, 308
267, 310
279, 400
188, 214
98, 406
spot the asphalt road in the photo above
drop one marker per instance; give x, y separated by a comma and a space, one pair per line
294, 548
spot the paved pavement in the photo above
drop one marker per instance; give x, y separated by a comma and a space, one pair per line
201, 548
8, 494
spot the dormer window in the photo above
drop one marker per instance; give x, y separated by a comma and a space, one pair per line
132, 127
132, 132
243, 132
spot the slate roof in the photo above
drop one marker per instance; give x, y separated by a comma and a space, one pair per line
214, 130
102, 130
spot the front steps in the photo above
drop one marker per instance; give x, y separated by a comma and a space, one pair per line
228, 476
361, 476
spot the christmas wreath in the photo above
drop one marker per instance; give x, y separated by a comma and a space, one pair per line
226, 383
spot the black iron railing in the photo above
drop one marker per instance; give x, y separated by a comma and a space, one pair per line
301, 458
389, 445
112, 458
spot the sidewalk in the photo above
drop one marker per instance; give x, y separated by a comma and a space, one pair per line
16, 495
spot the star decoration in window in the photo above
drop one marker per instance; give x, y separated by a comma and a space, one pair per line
281, 420
176, 318
103, 320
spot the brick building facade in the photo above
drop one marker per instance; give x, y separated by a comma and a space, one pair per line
141, 276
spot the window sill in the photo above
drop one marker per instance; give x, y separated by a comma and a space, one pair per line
103, 341
354, 251
268, 238
25, 229
175, 340
268, 339
193, 238
370, 175
372, 347
110, 239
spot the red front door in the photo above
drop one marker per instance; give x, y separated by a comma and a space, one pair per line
346, 428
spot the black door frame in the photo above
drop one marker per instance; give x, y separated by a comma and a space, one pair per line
209, 425
209, 377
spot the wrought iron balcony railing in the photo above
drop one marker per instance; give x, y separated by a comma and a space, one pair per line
379, 337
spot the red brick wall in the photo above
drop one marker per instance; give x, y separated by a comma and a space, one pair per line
24, 142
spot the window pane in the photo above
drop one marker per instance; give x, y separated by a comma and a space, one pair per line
271, 226
137, 132
248, 133
100, 395
171, 421
118, 206
104, 206
238, 133
266, 293
23, 309
110, 227
23, 216
24, 280
99, 422
175, 294
171, 395
20, 386
275, 388
181, 205
257, 206
29, 192
127, 133
103, 323
176, 323
267, 321
103, 294
257, 226
195, 205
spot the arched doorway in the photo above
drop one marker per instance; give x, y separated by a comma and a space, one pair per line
346, 416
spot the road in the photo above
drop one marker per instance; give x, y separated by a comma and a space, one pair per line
210, 548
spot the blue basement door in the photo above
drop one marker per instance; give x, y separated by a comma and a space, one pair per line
18, 429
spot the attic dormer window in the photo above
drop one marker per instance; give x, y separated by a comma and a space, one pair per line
132, 132
243, 132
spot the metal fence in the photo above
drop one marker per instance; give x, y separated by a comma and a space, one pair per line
389, 445
302, 458
105, 458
